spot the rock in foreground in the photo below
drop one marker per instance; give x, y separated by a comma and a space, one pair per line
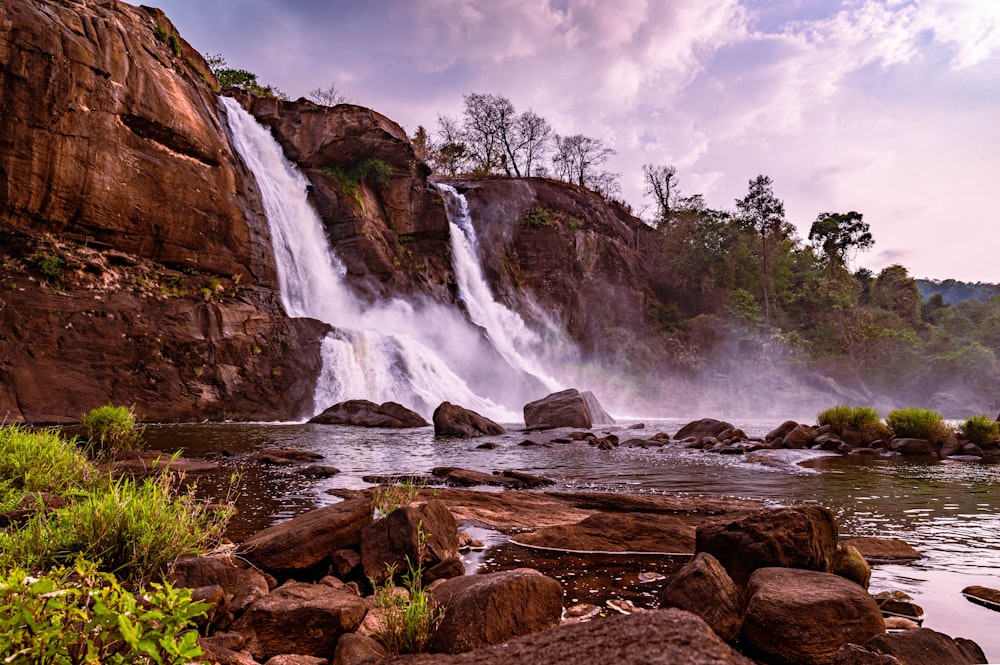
362, 413
660, 637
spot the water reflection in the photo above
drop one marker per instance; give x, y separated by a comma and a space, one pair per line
949, 511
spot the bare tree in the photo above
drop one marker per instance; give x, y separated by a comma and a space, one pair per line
450, 155
576, 160
487, 128
536, 140
329, 96
661, 184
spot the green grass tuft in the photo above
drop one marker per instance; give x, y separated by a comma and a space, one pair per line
916, 423
980, 430
112, 430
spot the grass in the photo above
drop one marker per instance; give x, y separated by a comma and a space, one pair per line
980, 430
914, 423
394, 495
863, 418
40, 461
111, 430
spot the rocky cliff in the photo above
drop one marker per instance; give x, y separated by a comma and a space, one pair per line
135, 262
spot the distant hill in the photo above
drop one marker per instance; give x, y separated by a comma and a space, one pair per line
953, 291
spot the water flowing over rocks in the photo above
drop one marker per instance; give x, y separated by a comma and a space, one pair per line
362, 413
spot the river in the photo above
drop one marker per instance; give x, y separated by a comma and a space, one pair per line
949, 511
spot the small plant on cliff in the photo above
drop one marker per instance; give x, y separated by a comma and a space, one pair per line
980, 430
916, 423
536, 217
394, 495
160, 33
111, 430
175, 44
79, 615
371, 170
51, 266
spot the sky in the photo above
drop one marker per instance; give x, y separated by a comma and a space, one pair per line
890, 108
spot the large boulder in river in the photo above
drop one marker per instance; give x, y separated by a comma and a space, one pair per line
455, 421
568, 408
803, 537
481, 610
802, 617
659, 637
362, 413
921, 647
700, 429
704, 587
307, 542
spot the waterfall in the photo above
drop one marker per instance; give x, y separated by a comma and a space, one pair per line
395, 351
519, 345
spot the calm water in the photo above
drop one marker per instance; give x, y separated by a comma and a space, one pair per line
949, 511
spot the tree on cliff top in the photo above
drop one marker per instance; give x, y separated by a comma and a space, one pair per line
240, 78
838, 234
762, 212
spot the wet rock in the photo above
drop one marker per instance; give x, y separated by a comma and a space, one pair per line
802, 617
923, 646
849, 563
912, 447
703, 587
318, 471
489, 445
355, 649
883, 549
800, 437
659, 637
984, 596
699, 429
143, 462
527, 480
609, 532
284, 456
455, 421
481, 610
637, 426
469, 478
420, 535
299, 618
305, 542
781, 430
791, 537
899, 604
362, 413
568, 408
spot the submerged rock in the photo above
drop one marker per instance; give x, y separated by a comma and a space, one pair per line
362, 413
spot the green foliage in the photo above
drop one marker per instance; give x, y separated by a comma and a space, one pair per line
241, 79
840, 233
409, 615
370, 169
394, 495
78, 615
160, 33
132, 528
863, 418
573, 224
112, 430
917, 424
175, 44
536, 217
980, 430
51, 266
40, 461
743, 306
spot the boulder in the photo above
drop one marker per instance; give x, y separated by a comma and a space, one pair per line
849, 564
298, 618
422, 536
617, 532
296, 659
923, 646
907, 446
481, 610
355, 649
699, 429
284, 456
802, 617
233, 574
362, 413
569, 408
307, 541
215, 652
468, 478
658, 637
800, 437
984, 596
854, 654
456, 421
804, 537
703, 587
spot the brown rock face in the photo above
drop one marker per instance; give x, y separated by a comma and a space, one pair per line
452, 420
418, 535
608, 532
790, 537
802, 617
111, 136
481, 610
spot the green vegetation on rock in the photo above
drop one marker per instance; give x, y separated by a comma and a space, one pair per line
111, 430
914, 423
980, 430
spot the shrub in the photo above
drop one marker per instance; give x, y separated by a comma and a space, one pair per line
863, 418
51, 266
980, 430
40, 461
917, 424
79, 615
111, 430
175, 44
536, 217
160, 33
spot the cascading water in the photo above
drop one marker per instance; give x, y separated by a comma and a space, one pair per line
514, 340
374, 353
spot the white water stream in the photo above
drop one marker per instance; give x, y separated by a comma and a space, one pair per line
417, 354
